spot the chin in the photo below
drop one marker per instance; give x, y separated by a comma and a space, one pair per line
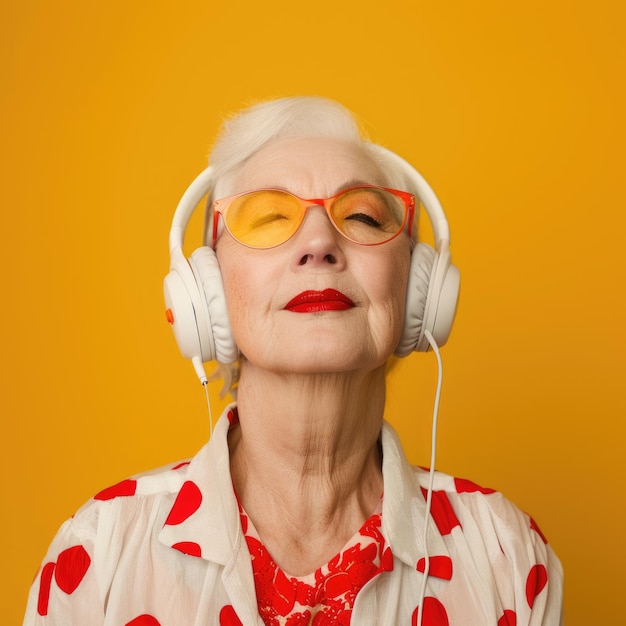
320, 359
317, 350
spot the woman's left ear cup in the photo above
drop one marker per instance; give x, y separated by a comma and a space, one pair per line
420, 271
431, 300
441, 304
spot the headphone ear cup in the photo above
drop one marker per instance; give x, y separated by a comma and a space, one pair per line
420, 272
208, 276
443, 296
184, 311
431, 300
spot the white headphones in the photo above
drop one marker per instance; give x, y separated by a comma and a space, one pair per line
196, 302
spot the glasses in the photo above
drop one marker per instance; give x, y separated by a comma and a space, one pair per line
266, 218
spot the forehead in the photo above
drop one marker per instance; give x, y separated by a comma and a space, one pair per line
309, 167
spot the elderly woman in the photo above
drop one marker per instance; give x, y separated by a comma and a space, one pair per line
303, 508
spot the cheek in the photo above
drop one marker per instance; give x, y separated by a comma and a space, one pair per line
236, 286
388, 285
248, 288
395, 277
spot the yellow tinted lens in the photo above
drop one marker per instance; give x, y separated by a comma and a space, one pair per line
368, 215
263, 219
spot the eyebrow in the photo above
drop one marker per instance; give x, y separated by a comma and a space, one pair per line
354, 182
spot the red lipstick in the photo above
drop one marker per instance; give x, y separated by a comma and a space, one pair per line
317, 301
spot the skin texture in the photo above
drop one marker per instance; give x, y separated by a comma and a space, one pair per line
305, 460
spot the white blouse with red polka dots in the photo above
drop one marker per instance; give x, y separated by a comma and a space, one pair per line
173, 547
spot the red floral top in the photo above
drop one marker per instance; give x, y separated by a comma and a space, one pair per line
325, 597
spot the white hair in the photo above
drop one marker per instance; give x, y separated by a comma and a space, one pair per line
286, 118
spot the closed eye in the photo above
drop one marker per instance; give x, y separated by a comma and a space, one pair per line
366, 219
268, 218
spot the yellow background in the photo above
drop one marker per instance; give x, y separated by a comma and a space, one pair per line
513, 112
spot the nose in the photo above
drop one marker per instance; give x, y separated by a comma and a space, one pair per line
316, 244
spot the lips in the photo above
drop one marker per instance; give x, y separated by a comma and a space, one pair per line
317, 301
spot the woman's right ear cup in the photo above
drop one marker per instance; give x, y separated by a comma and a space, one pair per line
184, 309
206, 270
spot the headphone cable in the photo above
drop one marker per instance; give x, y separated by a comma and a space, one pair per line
431, 474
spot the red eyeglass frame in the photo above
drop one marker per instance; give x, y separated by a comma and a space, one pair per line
407, 197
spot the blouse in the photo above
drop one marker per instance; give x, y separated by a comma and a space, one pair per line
169, 548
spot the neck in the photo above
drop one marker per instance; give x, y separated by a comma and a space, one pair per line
306, 453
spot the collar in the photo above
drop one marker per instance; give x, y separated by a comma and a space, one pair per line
404, 505
204, 520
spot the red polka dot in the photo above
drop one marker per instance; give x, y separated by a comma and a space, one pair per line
439, 567
534, 527
144, 620
233, 416
509, 618
442, 512
386, 561
44, 588
228, 617
183, 464
188, 547
125, 488
187, 503
536, 581
72, 565
467, 486
434, 613
244, 520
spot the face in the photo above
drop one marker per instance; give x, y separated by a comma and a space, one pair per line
317, 303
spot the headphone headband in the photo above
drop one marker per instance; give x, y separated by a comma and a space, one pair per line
186, 206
